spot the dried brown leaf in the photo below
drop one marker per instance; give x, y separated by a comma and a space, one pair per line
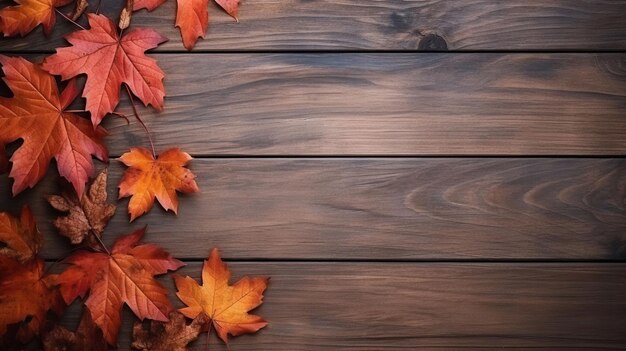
169, 336
90, 214
86, 337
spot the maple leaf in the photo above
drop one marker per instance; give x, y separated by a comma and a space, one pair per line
109, 60
88, 215
147, 4
147, 178
192, 18
26, 295
37, 115
27, 15
170, 336
21, 237
124, 276
86, 337
226, 306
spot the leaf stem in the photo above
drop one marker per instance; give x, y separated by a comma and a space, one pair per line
92, 232
132, 103
69, 19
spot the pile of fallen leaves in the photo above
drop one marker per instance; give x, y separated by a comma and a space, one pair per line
34, 294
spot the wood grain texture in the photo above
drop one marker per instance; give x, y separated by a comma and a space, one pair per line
384, 25
380, 104
430, 306
381, 209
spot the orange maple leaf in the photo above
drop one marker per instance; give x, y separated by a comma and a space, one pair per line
147, 4
109, 60
192, 17
27, 15
124, 276
26, 296
37, 115
21, 237
227, 306
147, 178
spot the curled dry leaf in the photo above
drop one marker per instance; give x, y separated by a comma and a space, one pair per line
27, 15
147, 178
88, 215
79, 8
124, 276
109, 60
21, 237
169, 336
86, 337
227, 306
26, 296
36, 114
126, 15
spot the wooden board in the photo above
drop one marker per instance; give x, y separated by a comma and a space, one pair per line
384, 25
379, 104
430, 306
382, 209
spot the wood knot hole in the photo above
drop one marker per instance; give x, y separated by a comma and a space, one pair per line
433, 42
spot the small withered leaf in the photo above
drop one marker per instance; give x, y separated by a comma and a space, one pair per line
89, 214
173, 335
86, 337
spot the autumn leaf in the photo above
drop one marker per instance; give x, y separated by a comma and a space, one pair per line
36, 114
124, 276
192, 18
169, 336
21, 237
88, 215
86, 337
147, 178
26, 296
27, 15
109, 60
147, 4
226, 306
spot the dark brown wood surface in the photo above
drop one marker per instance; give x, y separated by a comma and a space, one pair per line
399, 200
431, 306
383, 209
381, 104
385, 25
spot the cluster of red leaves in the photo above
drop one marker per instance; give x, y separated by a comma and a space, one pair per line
31, 298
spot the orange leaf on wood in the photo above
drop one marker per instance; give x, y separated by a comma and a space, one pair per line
231, 7
170, 336
125, 276
37, 115
27, 15
88, 215
227, 306
21, 237
192, 17
109, 60
26, 296
147, 178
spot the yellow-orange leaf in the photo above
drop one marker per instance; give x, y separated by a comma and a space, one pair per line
227, 306
21, 237
125, 276
147, 178
27, 15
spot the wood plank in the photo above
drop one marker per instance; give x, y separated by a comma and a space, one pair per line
378, 104
383, 209
385, 25
381, 104
429, 306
